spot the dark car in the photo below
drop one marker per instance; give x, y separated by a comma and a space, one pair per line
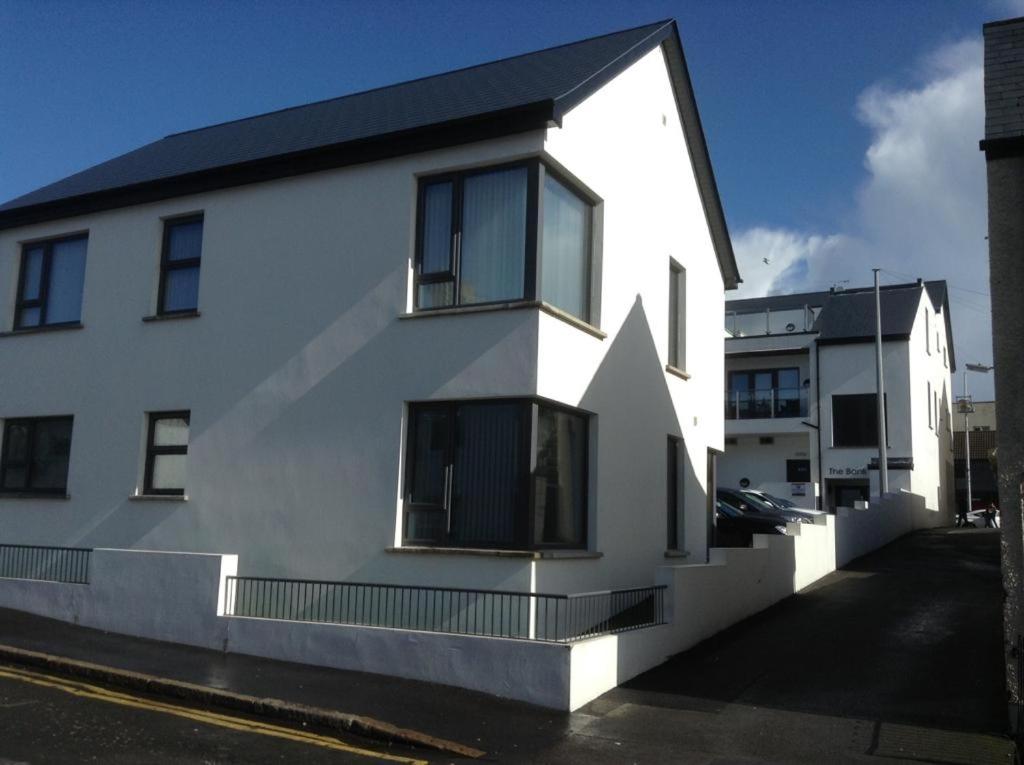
749, 504
781, 505
734, 528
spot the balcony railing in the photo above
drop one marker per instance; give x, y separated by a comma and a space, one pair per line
487, 613
771, 403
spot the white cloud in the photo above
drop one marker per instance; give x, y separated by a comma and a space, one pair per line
921, 210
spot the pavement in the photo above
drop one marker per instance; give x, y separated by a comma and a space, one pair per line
896, 658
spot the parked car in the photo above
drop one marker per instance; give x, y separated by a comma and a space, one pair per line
734, 528
779, 502
748, 504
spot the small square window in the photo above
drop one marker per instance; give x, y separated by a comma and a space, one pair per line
179, 265
36, 454
167, 453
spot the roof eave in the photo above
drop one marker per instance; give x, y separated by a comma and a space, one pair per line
497, 124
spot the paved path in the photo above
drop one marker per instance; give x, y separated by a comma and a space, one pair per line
897, 656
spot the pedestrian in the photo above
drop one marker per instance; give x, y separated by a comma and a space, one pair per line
961, 517
990, 515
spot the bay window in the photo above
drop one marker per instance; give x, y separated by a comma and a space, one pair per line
503, 234
505, 474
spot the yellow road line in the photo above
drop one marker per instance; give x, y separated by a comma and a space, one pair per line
85, 690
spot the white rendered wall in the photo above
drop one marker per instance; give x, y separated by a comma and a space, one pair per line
298, 370
652, 214
764, 465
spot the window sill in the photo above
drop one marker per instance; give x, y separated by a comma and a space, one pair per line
44, 328
677, 554
31, 495
158, 498
171, 316
529, 554
514, 305
677, 372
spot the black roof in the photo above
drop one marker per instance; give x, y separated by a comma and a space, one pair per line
849, 315
525, 92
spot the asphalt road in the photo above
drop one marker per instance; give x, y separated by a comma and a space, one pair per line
45, 718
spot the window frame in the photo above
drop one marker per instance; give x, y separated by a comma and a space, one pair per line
677, 315
524, 522
537, 169
31, 422
42, 302
167, 265
153, 451
675, 493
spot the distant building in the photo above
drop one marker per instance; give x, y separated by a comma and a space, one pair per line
982, 418
800, 403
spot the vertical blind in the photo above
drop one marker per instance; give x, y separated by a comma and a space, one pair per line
565, 250
493, 258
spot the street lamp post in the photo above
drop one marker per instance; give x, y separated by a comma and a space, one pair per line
967, 430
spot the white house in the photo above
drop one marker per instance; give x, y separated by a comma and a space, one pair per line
801, 405
361, 338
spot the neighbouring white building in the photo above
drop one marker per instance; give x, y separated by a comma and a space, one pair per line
801, 405
359, 339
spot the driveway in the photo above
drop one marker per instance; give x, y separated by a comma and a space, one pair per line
897, 657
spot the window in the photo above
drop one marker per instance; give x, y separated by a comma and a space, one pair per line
930, 405
166, 453
179, 265
676, 315
945, 358
936, 396
855, 419
927, 332
35, 456
674, 492
501, 234
764, 393
798, 471
50, 283
469, 481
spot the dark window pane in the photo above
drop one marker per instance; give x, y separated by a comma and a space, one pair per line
67, 275
181, 289
488, 473
435, 295
855, 420
437, 228
673, 315
424, 525
33, 274
29, 317
184, 240
559, 483
672, 507
429, 456
565, 248
798, 471
16, 447
789, 378
493, 236
15, 477
51, 449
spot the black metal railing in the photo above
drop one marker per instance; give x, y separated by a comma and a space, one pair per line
51, 564
488, 613
765, 404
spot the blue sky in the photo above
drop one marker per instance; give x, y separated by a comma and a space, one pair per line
808, 106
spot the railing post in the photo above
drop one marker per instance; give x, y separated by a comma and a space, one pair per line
532, 617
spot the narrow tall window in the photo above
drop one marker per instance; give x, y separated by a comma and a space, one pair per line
927, 332
179, 265
35, 456
166, 453
677, 316
480, 240
469, 481
50, 283
674, 492
931, 424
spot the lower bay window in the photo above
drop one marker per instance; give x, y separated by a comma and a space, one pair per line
35, 456
499, 474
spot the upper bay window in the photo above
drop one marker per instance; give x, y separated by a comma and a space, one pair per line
50, 283
505, 474
179, 265
503, 234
